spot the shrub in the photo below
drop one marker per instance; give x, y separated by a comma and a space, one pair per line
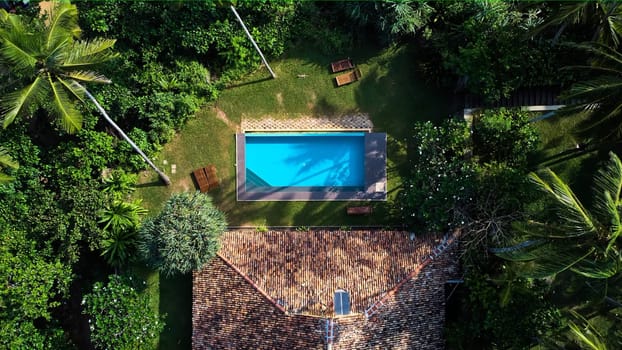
184, 236
504, 135
120, 317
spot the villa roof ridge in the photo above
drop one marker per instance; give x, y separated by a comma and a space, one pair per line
252, 283
299, 271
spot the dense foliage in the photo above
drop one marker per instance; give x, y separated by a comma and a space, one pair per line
184, 236
502, 313
440, 178
468, 176
171, 55
120, 317
34, 286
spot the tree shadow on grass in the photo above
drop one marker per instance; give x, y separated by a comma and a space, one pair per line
176, 303
395, 94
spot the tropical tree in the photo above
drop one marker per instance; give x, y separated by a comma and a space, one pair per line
120, 317
56, 63
392, 18
6, 162
121, 221
602, 17
597, 98
576, 239
184, 236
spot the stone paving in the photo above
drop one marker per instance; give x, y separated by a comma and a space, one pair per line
350, 122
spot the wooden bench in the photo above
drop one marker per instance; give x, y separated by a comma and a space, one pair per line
341, 65
206, 178
349, 77
362, 210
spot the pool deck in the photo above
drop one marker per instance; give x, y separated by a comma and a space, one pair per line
375, 188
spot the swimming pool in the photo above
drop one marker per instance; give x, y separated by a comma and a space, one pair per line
309, 165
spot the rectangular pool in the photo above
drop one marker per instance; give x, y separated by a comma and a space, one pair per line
310, 166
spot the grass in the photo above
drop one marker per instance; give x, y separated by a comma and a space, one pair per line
559, 152
391, 92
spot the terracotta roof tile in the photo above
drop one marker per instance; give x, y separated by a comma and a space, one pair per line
301, 270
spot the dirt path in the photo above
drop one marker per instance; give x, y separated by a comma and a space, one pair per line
220, 114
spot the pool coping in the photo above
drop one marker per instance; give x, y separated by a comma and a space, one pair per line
375, 188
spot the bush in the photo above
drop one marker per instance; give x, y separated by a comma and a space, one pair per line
441, 178
504, 136
184, 236
120, 317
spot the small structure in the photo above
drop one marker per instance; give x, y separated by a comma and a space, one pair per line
341, 65
206, 178
361, 210
349, 77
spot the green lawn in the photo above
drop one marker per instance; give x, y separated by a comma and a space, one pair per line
559, 152
391, 92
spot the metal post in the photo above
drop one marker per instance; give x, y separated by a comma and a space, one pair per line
252, 41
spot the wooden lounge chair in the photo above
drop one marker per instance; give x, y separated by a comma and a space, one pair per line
212, 177
362, 210
341, 65
201, 178
349, 77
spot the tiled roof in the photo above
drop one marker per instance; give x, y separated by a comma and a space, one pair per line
300, 270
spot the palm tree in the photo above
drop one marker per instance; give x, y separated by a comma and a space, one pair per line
603, 16
579, 240
598, 98
6, 162
56, 64
121, 221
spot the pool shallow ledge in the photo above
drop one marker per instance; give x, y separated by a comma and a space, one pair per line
373, 189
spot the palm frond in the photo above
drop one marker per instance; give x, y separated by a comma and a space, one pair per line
596, 88
73, 87
13, 104
17, 49
6, 160
86, 53
607, 191
576, 218
70, 118
550, 262
87, 76
63, 23
586, 334
597, 268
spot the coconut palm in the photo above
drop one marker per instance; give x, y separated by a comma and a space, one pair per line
604, 17
598, 98
6, 162
56, 64
579, 240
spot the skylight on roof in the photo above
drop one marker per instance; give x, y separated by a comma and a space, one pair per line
341, 302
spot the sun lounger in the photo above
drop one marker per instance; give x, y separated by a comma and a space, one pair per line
212, 177
207, 178
201, 178
362, 210
341, 65
349, 77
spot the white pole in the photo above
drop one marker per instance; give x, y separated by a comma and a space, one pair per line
101, 110
252, 41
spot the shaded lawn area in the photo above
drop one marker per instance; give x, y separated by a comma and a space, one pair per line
390, 91
559, 152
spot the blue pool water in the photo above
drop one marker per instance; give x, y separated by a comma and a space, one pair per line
305, 159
